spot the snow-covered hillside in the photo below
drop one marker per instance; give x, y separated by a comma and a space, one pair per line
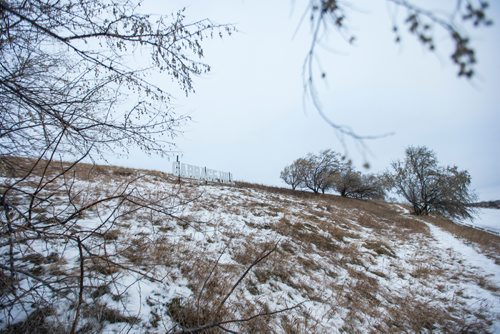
488, 219
246, 258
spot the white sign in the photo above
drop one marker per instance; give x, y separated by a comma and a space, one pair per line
200, 173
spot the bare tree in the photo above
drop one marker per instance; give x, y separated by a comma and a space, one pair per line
294, 174
66, 79
346, 180
372, 186
431, 188
70, 90
351, 183
320, 169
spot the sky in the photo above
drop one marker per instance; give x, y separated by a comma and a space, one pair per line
250, 115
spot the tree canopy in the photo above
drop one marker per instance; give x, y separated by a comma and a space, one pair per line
429, 187
328, 170
68, 81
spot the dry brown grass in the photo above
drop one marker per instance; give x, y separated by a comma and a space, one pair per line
299, 324
424, 271
379, 247
390, 221
308, 235
360, 298
143, 252
111, 235
250, 250
20, 167
137, 250
278, 266
6, 282
488, 284
103, 313
378, 215
334, 224
101, 265
369, 221
406, 226
412, 314
187, 315
275, 190
211, 282
323, 200
307, 264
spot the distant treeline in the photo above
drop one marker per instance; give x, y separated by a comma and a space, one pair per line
487, 204
418, 177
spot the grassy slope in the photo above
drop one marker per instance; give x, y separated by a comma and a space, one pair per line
356, 266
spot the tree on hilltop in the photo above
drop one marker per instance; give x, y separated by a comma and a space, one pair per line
430, 188
320, 169
314, 171
294, 174
328, 170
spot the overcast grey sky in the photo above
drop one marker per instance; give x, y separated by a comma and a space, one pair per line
249, 116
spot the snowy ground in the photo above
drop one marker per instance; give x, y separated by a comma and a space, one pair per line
339, 265
488, 219
486, 266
